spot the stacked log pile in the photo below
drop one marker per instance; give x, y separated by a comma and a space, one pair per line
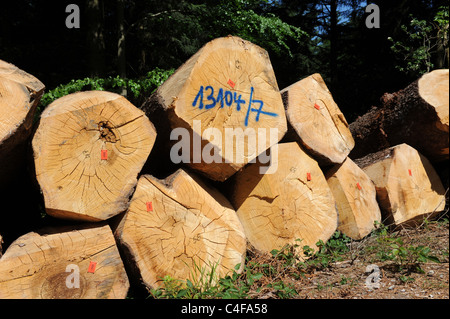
285, 165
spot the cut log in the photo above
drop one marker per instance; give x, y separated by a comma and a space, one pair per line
223, 94
295, 202
64, 263
416, 115
181, 228
356, 200
88, 150
316, 122
408, 188
20, 94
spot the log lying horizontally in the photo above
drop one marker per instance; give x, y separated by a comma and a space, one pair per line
20, 94
408, 188
181, 228
228, 87
295, 202
88, 150
416, 115
356, 200
316, 121
65, 263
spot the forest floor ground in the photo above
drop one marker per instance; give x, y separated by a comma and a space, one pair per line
405, 275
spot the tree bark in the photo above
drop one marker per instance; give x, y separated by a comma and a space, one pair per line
293, 203
88, 150
228, 87
416, 115
49, 264
180, 227
408, 188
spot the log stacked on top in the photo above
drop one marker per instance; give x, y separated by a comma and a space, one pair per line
90, 148
316, 121
416, 115
227, 87
20, 94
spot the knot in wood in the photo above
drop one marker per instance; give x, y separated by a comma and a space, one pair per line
106, 132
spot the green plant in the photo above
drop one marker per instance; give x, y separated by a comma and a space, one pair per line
137, 88
405, 279
282, 290
425, 38
392, 248
207, 285
328, 253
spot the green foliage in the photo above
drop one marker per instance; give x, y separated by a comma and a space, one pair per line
422, 38
207, 285
137, 88
404, 256
274, 274
238, 17
328, 253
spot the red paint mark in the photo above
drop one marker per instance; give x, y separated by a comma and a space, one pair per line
410, 173
359, 186
317, 106
92, 266
149, 206
308, 176
104, 154
231, 83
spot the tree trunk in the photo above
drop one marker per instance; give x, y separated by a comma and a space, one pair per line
408, 188
229, 88
355, 197
64, 263
316, 121
295, 202
181, 228
20, 94
416, 115
121, 56
333, 36
95, 37
88, 150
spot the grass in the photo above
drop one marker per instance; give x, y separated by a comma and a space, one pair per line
280, 274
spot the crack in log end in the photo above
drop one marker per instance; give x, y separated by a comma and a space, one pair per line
265, 198
106, 132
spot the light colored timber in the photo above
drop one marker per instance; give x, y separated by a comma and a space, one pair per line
78, 181
280, 208
20, 94
228, 84
408, 188
181, 228
317, 121
434, 90
355, 197
46, 265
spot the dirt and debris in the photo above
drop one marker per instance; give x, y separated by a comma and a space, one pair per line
348, 278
